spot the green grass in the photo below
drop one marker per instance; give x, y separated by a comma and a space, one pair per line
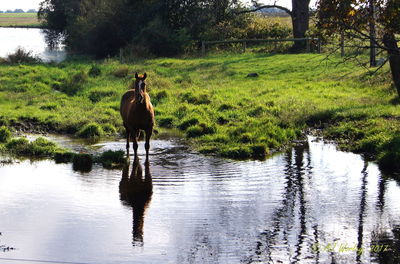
19, 20
212, 102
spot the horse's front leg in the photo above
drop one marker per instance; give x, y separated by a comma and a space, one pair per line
135, 140
147, 144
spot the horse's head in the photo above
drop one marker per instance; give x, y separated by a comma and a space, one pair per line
140, 87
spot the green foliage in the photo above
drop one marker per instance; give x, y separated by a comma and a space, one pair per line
91, 130
112, 159
5, 134
101, 28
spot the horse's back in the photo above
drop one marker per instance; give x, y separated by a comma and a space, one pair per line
126, 101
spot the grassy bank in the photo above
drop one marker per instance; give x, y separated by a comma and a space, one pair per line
213, 102
19, 20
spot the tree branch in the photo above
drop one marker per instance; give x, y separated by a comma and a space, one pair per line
257, 8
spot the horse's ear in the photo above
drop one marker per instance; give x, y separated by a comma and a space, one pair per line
144, 76
136, 75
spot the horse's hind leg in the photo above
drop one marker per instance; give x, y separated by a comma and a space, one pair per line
147, 144
128, 134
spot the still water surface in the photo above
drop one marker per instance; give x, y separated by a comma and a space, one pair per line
313, 204
30, 39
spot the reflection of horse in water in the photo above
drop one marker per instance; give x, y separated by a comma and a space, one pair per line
136, 191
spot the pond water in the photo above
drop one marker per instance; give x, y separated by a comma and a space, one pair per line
312, 204
30, 39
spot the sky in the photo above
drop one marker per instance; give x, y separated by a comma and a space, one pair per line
22, 4
34, 4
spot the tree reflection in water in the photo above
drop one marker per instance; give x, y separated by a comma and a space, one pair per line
295, 229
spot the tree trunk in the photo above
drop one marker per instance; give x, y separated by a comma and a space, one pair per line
393, 50
300, 17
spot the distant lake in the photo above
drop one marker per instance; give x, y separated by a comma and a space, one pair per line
30, 39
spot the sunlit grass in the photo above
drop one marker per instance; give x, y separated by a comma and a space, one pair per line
212, 101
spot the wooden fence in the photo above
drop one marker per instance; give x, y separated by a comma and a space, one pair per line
244, 42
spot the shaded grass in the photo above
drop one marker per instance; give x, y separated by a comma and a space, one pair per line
43, 148
213, 103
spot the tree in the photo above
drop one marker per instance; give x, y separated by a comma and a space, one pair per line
160, 27
300, 15
354, 19
19, 11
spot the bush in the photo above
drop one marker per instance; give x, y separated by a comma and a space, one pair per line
5, 134
91, 130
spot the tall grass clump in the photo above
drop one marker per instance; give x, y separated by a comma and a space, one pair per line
39, 148
73, 84
21, 56
5, 134
91, 131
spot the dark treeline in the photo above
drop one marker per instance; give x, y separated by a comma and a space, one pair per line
19, 11
158, 27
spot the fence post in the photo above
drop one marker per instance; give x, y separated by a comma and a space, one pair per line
276, 45
203, 48
308, 45
244, 46
342, 44
319, 45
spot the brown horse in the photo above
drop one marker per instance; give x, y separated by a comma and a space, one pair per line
137, 114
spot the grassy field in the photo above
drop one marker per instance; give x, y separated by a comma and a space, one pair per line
19, 20
213, 103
